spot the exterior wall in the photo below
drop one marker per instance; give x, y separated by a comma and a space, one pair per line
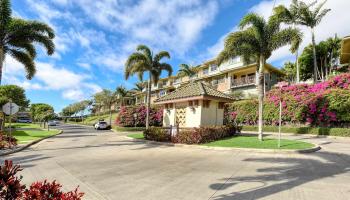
212, 116
169, 117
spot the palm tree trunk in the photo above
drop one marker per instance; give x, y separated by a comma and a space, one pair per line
148, 100
261, 95
331, 63
297, 63
314, 53
2, 59
110, 115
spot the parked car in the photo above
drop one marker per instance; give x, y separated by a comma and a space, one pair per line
24, 120
51, 123
101, 125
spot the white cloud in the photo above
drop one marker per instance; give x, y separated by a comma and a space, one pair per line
73, 86
335, 22
173, 24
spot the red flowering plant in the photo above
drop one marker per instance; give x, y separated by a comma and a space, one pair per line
7, 141
131, 116
12, 188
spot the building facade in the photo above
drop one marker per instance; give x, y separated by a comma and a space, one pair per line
233, 76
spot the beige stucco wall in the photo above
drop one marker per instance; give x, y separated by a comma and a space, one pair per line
213, 115
168, 117
199, 116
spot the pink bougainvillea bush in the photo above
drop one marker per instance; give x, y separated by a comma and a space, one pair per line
321, 104
130, 116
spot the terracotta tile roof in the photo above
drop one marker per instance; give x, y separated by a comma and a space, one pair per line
194, 89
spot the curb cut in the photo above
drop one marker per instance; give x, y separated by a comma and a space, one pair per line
28, 145
276, 151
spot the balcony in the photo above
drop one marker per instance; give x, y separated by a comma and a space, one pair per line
244, 81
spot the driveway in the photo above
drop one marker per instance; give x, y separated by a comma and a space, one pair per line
107, 165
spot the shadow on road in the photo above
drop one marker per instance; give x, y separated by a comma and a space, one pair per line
293, 172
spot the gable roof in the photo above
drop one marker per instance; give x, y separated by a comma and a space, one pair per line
193, 90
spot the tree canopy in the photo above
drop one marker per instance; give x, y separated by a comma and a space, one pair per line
14, 92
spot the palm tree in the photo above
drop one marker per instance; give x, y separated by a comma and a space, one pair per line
18, 36
106, 98
257, 39
143, 61
291, 16
121, 92
187, 70
311, 18
333, 48
139, 87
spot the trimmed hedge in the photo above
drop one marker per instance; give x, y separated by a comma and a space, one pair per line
157, 134
343, 132
190, 136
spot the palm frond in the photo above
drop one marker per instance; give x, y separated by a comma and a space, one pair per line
26, 60
28, 47
5, 15
161, 55
146, 50
166, 67
286, 36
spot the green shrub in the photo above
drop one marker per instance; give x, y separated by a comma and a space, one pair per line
157, 134
203, 134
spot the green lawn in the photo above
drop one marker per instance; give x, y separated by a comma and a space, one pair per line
136, 135
25, 136
253, 142
93, 119
23, 125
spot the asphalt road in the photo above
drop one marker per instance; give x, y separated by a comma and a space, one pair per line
107, 165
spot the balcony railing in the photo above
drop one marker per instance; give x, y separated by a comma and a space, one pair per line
248, 80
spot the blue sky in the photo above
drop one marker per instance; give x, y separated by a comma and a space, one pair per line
93, 39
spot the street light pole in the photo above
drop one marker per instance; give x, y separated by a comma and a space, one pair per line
10, 135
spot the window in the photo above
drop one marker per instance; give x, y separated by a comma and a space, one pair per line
213, 67
206, 103
221, 105
162, 93
205, 71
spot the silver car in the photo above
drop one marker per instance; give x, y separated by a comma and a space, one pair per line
101, 125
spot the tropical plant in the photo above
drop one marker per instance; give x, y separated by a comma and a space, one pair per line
311, 18
187, 70
143, 61
291, 16
139, 87
257, 39
121, 92
106, 98
18, 37
334, 51
289, 69
15, 93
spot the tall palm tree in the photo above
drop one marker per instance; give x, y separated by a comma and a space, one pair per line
311, 18
290, 16
187, 70
143, 61
18, 36
333, 48
257, 39
121, 92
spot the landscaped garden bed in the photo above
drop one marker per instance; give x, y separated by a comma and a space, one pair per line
218, 137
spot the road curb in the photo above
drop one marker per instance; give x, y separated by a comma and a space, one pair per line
28, 145
275, 151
